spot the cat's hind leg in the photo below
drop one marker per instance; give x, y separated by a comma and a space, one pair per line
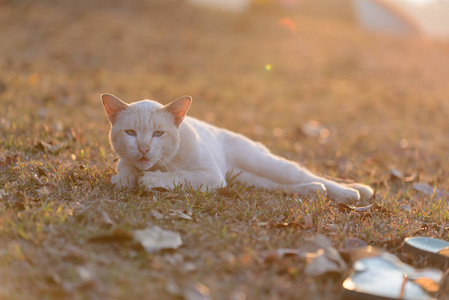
309, 189
256, 159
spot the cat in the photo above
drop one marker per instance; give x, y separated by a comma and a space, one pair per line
160, 147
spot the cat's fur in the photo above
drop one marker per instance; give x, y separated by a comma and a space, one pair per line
159, 146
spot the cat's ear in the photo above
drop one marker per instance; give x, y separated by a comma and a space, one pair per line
112, 105
179, 108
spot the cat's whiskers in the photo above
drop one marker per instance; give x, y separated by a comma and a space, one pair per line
167, 164
176, 162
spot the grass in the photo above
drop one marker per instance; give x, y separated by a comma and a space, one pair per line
382, 98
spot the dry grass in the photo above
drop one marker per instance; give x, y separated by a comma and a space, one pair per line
383, 99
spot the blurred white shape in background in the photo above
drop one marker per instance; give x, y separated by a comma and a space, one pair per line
424, 17
236, 6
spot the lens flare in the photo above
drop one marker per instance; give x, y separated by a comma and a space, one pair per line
287, 23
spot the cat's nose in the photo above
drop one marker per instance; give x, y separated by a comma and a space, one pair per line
144, 149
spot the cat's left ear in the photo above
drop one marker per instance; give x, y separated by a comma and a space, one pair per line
179, 108
112, 105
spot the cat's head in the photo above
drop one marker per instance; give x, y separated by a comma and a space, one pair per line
145, 133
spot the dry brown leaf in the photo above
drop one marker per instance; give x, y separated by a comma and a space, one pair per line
428, 279
444, 251
9, 162
429, 190
156, 214
87, 276
363, 211
179, 214
154, 239
322, 258
351, 246
118, 236
398, 175
53, 149
198, 291
274, 255
319, 263
106, 219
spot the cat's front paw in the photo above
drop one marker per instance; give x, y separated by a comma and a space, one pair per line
366, 192
152, 180
345, 195
121, 181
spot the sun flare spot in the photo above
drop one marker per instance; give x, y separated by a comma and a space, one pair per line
287, 23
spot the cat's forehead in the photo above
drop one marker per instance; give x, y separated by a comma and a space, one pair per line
143, 114
145, 106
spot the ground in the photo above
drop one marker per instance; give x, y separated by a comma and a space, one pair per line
65, 231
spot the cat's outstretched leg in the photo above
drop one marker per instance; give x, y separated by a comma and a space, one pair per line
254, 158
310, 189
365, 191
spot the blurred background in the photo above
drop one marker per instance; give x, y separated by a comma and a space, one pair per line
313, 79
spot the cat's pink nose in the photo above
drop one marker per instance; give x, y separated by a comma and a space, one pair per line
144, 149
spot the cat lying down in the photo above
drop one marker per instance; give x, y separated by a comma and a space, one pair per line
159, 146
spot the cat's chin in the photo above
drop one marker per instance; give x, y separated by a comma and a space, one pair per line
143, 164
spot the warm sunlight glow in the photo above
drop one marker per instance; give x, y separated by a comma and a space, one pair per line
287, 23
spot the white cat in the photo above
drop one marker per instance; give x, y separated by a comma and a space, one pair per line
159, 146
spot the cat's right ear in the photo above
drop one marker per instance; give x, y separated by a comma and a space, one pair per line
112, 105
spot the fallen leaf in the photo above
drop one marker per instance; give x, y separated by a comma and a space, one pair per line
350, 246
364, 211
375, 267
198, 291
87, 277
118, 236
10, 161
156, 214
106, 219
173, 289
322, 258
398, 175
176, 213
429, 190
319, 263
271, 256
53, 149
189, 267
154, 239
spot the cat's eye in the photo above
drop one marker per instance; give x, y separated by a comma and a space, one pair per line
158, 133
130, 132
